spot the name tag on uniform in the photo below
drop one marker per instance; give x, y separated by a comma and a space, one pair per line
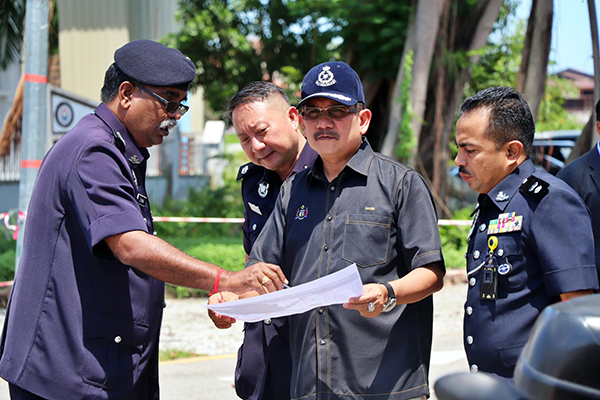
505, 223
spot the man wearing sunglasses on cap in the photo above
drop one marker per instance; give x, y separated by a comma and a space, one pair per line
84, 315
355, 206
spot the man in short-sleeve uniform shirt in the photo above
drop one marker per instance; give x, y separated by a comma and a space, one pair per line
84, 314
531, 242
267, 127
355, 206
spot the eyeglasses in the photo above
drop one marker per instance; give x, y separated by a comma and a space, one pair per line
334, 112
171, 106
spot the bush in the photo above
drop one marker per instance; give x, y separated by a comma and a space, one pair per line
7, 258
454, 241
225, 202
227, 253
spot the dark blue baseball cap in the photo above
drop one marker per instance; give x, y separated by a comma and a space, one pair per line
152, 63
334, 80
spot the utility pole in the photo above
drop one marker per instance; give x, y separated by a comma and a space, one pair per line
33, 142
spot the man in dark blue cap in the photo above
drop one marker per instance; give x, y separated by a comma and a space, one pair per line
355, 206
84, 314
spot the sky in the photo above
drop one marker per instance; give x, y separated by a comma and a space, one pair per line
571, 37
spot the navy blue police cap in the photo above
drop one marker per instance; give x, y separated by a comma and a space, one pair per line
152, 63
334, 80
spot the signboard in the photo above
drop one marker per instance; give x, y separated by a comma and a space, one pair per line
67, 109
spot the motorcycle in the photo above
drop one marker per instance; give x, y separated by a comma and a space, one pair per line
561, 360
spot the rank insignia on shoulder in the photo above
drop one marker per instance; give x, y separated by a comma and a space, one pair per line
246, 170
509, 222
534, 187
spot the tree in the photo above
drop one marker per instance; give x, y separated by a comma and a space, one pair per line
12, 16
531, 80
234, 43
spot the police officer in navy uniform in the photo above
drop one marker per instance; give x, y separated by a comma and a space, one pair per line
531, 242
85, 310
267, 127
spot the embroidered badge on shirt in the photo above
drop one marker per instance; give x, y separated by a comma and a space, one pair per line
134, 159
508, 222
245, 169
263, 189
502, 196
255, 208
302, 212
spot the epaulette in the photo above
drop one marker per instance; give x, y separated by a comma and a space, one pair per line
247, 170
534, 187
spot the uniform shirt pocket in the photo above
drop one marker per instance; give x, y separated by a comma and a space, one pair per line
511, 275
366, 239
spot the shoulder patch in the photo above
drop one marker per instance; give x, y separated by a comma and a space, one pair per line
247, 170
534, 187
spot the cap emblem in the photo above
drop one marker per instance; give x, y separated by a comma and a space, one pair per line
326, 77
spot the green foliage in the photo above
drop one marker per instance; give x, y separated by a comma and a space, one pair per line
406, 138
12, 21
175, 354
226, 252
236, 42
373, 34
225, 201
454, 240
551, 114
7, 257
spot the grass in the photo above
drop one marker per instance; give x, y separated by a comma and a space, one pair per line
175, 354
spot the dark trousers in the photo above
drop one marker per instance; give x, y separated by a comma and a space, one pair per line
16, 393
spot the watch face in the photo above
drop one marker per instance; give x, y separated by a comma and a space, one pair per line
389, 305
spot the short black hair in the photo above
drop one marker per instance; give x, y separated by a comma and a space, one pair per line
256, 91
112, 81
509, 115
598, 111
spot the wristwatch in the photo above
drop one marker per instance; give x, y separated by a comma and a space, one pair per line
391, 303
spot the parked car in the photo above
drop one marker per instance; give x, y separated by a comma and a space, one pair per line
552, 148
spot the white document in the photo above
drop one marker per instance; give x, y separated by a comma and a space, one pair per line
335, 288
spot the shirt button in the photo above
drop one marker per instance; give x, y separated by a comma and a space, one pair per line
469, 310
470, 339
476, 254
164, 304
472, 281
118, 339
267, 321
332, 188
145, 220
254, 227
500, 252
323, 342
329, 218
306, 166
326, 248
474, 368
482, 227
321, 310
155, 233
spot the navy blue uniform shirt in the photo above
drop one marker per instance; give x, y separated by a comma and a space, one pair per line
80, 324
379, 214
264, 366
544, 248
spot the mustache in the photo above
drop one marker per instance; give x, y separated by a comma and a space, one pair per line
318, 134
168, 124
464, 171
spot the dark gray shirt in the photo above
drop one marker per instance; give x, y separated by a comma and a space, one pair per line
378, 214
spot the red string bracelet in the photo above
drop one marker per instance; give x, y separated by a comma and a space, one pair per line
216, 286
